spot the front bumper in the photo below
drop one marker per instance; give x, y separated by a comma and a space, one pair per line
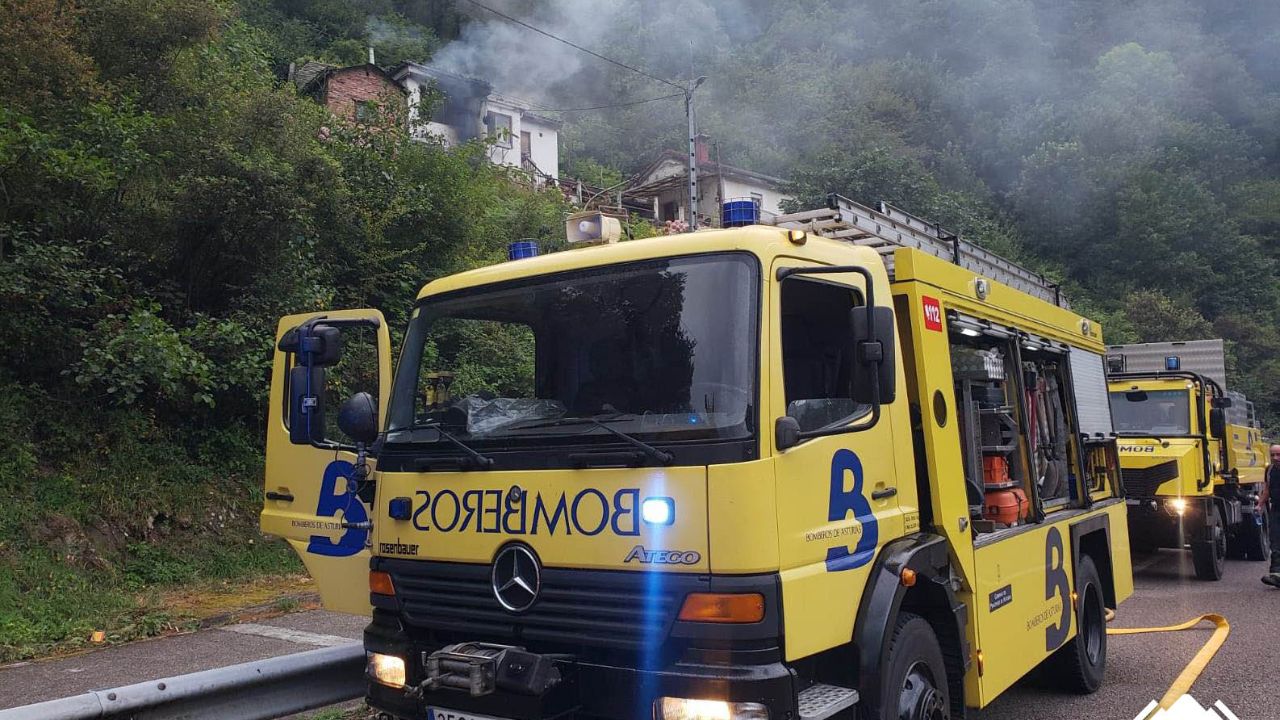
606, 621
602, 691
1155, 521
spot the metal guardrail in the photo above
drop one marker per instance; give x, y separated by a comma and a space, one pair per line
259, 690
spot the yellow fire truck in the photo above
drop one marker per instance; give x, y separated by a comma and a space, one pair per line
842, 465
1192, 454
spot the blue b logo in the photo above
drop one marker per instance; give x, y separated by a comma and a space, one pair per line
352, 541
852, 501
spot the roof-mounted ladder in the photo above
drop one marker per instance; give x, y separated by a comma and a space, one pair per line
889, 228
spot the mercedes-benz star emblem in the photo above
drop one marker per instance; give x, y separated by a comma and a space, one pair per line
516, 578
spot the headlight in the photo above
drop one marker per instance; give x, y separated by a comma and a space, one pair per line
1178, 505
658, 510
387, 669
670, 708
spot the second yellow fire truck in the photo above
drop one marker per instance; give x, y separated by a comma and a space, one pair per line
1192, 453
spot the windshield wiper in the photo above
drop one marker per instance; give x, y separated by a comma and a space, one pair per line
660, 456
482, 462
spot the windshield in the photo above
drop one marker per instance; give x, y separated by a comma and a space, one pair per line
662, 349
1158, 412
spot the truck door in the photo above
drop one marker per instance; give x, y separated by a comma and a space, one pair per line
838, 495
309, 497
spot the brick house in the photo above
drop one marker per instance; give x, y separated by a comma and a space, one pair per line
363, 94
467, 108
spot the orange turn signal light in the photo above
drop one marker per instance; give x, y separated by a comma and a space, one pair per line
380, 583
907, 577
723, 607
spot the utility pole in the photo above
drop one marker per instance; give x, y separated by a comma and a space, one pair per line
693, 155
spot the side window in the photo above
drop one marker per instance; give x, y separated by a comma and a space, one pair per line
357, 371
816, 364
499, 126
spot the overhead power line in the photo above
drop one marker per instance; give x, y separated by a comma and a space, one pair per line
615, 105
576, 46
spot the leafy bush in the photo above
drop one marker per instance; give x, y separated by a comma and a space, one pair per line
139, 353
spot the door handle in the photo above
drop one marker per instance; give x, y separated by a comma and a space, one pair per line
885, 493
285, 496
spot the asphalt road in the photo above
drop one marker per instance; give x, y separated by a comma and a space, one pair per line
1139, 667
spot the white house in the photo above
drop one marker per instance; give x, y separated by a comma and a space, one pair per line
666, 181
469, 108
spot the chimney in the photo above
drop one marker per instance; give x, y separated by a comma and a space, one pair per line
702, 148
371, 62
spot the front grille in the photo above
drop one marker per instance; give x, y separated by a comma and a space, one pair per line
575, 609
1143, 482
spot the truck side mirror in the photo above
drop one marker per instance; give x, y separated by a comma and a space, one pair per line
358, 418
872, 339
316, 346
786, 432
1221, 402
1218, 423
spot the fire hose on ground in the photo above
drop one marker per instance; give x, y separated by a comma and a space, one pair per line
1182, 684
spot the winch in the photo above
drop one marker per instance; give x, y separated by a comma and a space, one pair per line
480, 668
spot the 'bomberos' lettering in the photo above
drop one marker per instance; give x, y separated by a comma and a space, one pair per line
588, 512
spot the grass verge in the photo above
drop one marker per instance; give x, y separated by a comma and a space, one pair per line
120, 523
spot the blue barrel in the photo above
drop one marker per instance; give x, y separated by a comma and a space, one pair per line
522, 249
737, 213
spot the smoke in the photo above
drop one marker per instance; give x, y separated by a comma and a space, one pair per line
514, 59
379, 30
996, 81
666, 38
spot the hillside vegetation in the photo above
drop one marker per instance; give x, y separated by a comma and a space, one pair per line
165, 195
164, 198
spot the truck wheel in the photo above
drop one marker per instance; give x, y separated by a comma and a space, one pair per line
915, 678
1209, 556
1079, 665
1256, 539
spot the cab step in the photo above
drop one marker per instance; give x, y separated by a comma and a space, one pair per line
819, 701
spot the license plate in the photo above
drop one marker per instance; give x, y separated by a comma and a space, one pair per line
435, 713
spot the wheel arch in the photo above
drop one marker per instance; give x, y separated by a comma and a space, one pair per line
1092, 537
931, 597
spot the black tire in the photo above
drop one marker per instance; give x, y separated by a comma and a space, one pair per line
1078, 666
1256, 538
1209, 556
915, 678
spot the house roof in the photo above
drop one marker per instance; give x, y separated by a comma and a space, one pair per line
313, 74
406, 68
304, 77
542, 119
705, 169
